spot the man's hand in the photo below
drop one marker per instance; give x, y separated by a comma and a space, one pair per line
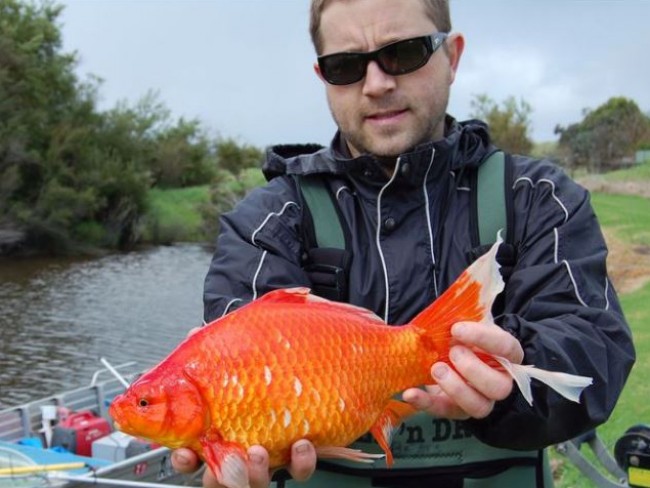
472, 389
302, 466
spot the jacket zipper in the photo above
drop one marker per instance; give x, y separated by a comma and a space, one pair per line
378, 235
430, 224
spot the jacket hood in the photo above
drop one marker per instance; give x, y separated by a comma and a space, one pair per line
465, 144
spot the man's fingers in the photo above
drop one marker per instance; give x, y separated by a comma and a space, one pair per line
491, 383
210, 480
459, 391
490, 338
434, 401
303, 460
419, 399
303, 464
185, 460
258, 467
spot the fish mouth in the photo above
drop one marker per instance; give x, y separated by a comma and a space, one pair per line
115, 413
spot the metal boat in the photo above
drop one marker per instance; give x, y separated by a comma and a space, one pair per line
30, 454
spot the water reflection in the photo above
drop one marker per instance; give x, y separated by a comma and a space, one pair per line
57, 317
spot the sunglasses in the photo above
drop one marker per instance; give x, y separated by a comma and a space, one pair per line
398, 58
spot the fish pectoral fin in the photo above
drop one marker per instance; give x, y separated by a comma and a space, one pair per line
382, 430
337, 452
228, 461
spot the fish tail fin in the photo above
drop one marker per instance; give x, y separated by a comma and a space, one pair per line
469, 298
570, 386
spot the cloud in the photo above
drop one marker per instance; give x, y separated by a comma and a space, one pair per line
245, 67
522, 73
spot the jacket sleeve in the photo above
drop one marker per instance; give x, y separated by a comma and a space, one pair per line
258, 249
564, 310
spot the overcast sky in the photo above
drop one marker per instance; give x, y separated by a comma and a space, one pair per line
244, 67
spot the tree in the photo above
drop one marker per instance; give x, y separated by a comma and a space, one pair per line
235, 158
238, 173
509, 123
68, 172
184, 156
605, 136
41, 103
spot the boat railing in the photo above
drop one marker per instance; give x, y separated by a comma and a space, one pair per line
25, 420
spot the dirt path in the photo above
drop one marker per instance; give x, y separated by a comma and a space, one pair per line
628, 265
599, 184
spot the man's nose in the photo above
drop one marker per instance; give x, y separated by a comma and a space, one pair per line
377, 82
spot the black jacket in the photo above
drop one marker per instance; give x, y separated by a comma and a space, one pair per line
411, 239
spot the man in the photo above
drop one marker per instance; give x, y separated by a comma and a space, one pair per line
400, 169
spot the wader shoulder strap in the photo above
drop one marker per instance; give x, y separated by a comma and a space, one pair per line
319, 200
492, 206
492, 210
491, 198
326, 259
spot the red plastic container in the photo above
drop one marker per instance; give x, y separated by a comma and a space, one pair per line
78, 431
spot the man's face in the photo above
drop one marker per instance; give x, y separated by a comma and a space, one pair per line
382, 114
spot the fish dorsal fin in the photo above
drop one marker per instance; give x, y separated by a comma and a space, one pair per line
303, 295
287, 295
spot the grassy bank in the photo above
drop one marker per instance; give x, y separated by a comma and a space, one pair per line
627, 215
633, 407
174, 215
626, 218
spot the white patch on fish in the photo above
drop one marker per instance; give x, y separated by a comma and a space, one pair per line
315, 395
287, 417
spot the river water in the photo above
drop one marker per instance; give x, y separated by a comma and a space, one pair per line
59, 316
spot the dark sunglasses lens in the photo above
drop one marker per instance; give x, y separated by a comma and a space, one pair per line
342, 69
403, 57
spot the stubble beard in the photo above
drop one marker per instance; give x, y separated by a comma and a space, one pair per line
390, 145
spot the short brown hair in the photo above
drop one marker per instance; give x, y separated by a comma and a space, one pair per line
437, 11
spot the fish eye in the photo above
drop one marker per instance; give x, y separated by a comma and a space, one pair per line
143, 402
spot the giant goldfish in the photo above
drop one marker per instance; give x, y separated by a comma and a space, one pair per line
291, 365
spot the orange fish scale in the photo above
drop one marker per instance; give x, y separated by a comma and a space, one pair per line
321, 375
290, 366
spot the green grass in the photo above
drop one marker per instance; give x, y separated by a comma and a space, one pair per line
629, 217
633, 407
174, 214
636, 173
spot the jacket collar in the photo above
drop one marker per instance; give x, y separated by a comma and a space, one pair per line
465, 144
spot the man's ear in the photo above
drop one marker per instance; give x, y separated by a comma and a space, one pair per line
318, 73
455, 47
